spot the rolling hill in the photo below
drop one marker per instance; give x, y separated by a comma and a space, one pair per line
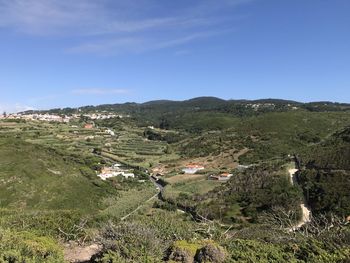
37, 178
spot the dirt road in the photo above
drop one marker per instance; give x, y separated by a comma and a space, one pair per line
306, 212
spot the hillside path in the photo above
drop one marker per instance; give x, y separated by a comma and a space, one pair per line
74, 253
139, 207
306, 212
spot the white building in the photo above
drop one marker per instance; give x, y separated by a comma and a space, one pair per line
110, 132
114, 171
221, 177
192, 168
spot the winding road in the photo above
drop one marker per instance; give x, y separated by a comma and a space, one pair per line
306, 212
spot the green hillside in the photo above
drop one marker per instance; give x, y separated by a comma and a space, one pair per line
326, 175
50, 194
34, 177
268, 135
333, 153
176, 114
281, 133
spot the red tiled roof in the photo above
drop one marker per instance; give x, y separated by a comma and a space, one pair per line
194, 166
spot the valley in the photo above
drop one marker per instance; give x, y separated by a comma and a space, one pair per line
179, 177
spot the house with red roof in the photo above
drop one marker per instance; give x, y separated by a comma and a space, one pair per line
221, 177
88, 126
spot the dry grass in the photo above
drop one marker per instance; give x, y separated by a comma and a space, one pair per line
227, 160
185, 178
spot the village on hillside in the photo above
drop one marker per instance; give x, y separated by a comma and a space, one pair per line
188, 170
47, 117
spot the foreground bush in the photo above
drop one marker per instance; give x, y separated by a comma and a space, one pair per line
28, 247
199, 251
307, 251
131, 242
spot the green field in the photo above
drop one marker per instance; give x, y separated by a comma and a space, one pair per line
196, 187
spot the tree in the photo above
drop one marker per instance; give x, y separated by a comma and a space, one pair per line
164, 124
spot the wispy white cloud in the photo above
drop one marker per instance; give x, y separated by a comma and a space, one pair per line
99, 91
117, 25
87, 17
21, 107
36, 103
188, 38
43, 16
14, 107
137, 45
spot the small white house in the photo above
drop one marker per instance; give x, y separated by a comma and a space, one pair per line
115, 170
110, 132
192, 168
221, 177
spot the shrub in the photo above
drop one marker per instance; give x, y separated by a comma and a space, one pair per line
210, 253
28, 247
132, 241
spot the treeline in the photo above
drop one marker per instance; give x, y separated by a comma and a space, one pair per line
191, 114
327, 192
326, 176
246, 196
169, 137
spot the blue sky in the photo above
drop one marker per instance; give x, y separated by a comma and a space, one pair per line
58, 53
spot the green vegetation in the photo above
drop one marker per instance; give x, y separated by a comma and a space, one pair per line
50, 194
326, 176
193, 187
126, 202
245, 196
37, 178
27, 247
309, 250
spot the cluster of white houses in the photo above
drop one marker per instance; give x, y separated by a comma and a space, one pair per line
58, 118
115, 170
103, 116
37, 117
257, 106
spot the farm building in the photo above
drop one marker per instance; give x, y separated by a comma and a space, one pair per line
221, 177
115, 170
192, 168
88, 126
110, 132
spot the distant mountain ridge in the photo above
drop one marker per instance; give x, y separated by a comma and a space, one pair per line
204, 103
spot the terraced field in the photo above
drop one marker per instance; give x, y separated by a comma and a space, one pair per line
132, 147
47, 172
